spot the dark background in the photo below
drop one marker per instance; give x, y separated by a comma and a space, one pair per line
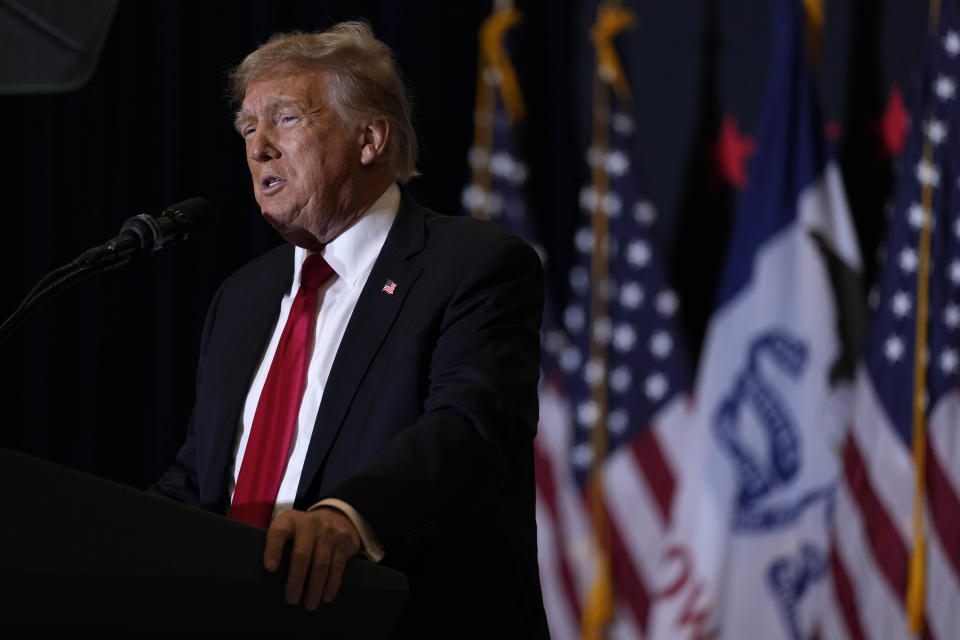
100, 378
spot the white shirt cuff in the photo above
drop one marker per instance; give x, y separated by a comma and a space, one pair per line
372, 548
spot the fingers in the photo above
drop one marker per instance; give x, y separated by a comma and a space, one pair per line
326, 574
319, 575
323, 540
280, 530
337, 565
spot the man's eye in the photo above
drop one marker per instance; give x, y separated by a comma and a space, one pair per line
288, 119
248, 131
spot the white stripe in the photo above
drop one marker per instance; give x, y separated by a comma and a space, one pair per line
633, 508
942, 604
623, 627
944, 433
888, 460
560, 619
880, 610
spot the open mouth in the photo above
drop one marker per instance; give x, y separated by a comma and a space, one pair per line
271, 183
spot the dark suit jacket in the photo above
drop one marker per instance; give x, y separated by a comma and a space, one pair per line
426, 423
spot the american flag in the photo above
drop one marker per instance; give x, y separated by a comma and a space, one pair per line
613, 408
770, 396
903, 448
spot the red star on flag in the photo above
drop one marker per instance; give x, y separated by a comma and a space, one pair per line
894, 123
732, 152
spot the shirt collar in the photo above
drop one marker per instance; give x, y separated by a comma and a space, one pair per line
351, 254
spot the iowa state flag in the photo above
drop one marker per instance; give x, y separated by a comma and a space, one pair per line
773, 379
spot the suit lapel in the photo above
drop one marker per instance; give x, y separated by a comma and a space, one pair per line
253, 319
369, 324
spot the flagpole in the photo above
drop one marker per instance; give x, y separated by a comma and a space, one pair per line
494, 72
608, 73
915, 586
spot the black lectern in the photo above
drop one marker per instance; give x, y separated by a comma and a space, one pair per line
79, 553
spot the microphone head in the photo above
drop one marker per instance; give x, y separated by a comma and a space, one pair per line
195, 215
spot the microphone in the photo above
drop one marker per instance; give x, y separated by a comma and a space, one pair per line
146, 234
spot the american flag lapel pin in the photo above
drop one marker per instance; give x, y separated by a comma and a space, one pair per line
389, 287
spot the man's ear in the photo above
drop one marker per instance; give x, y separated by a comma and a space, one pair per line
376, 133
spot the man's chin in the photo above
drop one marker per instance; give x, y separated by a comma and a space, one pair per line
293, 234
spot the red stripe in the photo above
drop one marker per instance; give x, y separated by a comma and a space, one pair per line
844, 593
944, 507
629, 585
888, 548
543, 469
646, 449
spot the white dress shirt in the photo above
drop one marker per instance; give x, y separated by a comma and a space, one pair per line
351, 255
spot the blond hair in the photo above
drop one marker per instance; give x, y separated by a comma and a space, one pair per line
365, 81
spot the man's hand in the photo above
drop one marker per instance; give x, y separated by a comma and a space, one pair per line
322, 542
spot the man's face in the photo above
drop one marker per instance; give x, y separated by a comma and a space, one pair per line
304, 162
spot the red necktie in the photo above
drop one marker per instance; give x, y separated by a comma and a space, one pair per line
275, 420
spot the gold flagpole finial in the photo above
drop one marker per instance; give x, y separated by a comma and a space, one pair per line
495, 55
611, 20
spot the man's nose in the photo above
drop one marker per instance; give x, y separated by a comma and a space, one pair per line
262, 147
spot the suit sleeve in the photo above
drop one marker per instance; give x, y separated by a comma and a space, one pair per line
180, 481
480, 413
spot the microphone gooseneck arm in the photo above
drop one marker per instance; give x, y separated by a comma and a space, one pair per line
139, 234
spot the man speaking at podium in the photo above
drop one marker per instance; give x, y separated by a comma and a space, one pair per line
371, 386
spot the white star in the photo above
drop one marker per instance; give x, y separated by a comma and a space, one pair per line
955, 272
951, 316
620, 379
631, 295
655, 386
644, 212
908, 260
936, 131
667, 303
915, 214
624, 337
588, 413
582, 455
949, 361
584, 240
612, 205
574, 318
901, 304
505, 166
593, 372
602, 330
638, 253
951, 43
591, 201
944, 87
893, 348
928, 174
588, 199
617, 421
579, 279
622, 123
477, 157
661, 344
617, 163
570, 359
554, 341
492, 76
